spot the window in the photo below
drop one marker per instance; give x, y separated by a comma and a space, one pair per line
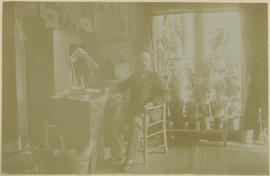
190, 39
174, 36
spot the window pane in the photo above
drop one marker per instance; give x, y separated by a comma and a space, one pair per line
222, 35
182, 67
225, 77
174, 35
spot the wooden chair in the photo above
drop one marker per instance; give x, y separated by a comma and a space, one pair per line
152, 116
149, 122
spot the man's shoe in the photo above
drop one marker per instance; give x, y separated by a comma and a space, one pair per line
128, 164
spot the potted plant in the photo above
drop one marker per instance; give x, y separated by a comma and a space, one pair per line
218, 110
204, 116
234, 115
200, 90
226, 101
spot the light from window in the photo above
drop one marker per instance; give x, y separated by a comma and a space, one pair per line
220, 38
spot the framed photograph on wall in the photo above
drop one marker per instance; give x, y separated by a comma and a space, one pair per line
112, 21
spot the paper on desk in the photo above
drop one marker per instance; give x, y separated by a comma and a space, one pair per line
93, 90
61, 94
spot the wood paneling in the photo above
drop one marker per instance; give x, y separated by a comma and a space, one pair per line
39, 73
9, 92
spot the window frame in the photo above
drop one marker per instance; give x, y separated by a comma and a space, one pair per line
199, 40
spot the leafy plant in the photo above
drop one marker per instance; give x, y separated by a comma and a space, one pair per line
199, 82
172, 43
219, 39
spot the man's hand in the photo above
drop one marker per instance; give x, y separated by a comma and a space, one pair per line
106, 90
116, 97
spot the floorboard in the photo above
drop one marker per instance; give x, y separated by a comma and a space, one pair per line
202, 157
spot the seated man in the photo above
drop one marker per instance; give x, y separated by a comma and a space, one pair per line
145, 89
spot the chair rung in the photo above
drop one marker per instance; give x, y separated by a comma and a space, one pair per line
156, 133
154, 123
153, 149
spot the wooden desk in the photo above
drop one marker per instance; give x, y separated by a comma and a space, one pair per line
223, 133
93, 106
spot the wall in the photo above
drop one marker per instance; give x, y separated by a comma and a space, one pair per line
10, 134
106, 51
15, 123
28, 70
117, 49
62, 40
27, 76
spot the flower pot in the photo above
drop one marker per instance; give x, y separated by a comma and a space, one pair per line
219, 123
230, 123
186, 125
247, 136
198, 125
236, 123
205, 123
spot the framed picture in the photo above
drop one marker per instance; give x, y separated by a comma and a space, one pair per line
51, 19
86, 24
112, 21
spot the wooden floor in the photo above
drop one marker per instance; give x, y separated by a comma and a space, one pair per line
202, 157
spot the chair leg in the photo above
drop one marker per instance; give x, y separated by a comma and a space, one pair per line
165, 131
165, 138
145, 139
144, 150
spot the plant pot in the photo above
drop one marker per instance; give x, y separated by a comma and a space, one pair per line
219, 123
247, 136
205, 123
197, 125
230, 123
186, 124
236, 123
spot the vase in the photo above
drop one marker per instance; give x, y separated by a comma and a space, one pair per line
230, 123
236, 123
219, 123
205, 123
186, 125
198, 125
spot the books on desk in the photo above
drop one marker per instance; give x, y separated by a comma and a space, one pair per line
80, 94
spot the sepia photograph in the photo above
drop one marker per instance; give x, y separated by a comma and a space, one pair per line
135, 88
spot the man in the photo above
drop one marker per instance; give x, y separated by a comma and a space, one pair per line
145, 89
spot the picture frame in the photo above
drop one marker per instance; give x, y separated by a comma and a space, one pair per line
112, 27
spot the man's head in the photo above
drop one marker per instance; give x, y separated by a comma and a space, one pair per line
72, 48
143, 62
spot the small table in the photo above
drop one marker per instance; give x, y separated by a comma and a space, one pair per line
223, 133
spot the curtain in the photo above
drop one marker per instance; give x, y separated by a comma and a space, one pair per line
254, 34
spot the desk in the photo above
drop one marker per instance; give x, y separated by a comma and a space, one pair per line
223, 133
93, 114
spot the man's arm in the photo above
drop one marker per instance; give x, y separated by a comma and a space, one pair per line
159, 92
123, 85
